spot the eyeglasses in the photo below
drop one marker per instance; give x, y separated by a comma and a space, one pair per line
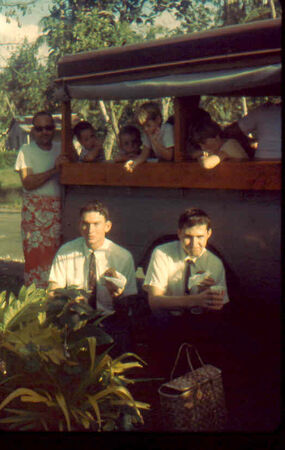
47, 128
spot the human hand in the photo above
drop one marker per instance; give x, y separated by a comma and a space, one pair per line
211, 300
130, 166
206, 283
155, 138
60, 160
115, 286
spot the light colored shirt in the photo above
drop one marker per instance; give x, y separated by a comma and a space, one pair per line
233, 149
166, 136
83, 152
33, 157
265, 121
70, 267
167, 269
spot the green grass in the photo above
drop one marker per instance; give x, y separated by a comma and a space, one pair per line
10, 189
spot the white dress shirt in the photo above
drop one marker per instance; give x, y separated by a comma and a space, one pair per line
70, 267
167, 269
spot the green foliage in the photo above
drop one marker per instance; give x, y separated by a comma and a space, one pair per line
10, 184
24, 80
82, 25
7, 159
53, 376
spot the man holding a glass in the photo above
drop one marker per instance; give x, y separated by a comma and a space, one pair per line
186, 285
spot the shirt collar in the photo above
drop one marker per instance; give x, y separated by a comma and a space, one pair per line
87, 251
186, 257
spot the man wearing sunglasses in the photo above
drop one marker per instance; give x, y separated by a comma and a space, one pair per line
38, 164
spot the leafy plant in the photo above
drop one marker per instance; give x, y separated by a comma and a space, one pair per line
54, 375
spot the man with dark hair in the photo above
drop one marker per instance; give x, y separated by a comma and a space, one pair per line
71, 265
97, 265
166, 280
186, 288
92, 149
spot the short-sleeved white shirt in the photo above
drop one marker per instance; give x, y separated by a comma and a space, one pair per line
71, 265
167, 268
265, 121
33, 157
166, 134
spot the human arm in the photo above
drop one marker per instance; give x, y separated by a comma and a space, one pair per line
237, 131
122, 271
230, 149
161, 150
212, 301
95, 154
209, 161
57, 275
115, 286
31, 180
121, 157
133, 163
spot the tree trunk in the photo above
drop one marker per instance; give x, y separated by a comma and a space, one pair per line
165, 102
109, 142
244, 106
112, 128
273, 9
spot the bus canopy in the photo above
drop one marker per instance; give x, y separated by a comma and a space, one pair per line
236, 60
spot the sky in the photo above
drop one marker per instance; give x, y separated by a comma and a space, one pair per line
11, 34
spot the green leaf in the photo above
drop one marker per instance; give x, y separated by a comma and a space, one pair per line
95, 406
92, 351
62, 403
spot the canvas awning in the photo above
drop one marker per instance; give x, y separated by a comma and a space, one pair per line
210, 83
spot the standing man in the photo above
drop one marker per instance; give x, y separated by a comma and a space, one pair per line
38, 164
179, 283
85, 263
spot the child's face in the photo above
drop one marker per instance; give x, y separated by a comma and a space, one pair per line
129, 143
211, 145
88, 139
152, 126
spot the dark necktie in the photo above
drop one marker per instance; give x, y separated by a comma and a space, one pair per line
187, 275
92, 283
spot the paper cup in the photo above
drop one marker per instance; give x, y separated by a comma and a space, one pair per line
219, 289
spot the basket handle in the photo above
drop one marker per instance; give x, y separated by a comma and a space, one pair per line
186, 346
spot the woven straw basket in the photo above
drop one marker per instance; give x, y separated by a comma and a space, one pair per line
194, 401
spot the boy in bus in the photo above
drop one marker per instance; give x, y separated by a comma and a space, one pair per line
213, 147
158, 137
92, 149
129, 143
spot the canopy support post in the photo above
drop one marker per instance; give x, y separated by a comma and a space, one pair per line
66, 129
184, 109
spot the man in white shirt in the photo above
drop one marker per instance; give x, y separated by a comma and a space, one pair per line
165, 279
180, 283
71, 265
38, 165
265, 122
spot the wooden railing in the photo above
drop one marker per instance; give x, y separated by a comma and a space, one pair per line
243, 175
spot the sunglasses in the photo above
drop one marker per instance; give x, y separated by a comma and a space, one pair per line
47, 128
